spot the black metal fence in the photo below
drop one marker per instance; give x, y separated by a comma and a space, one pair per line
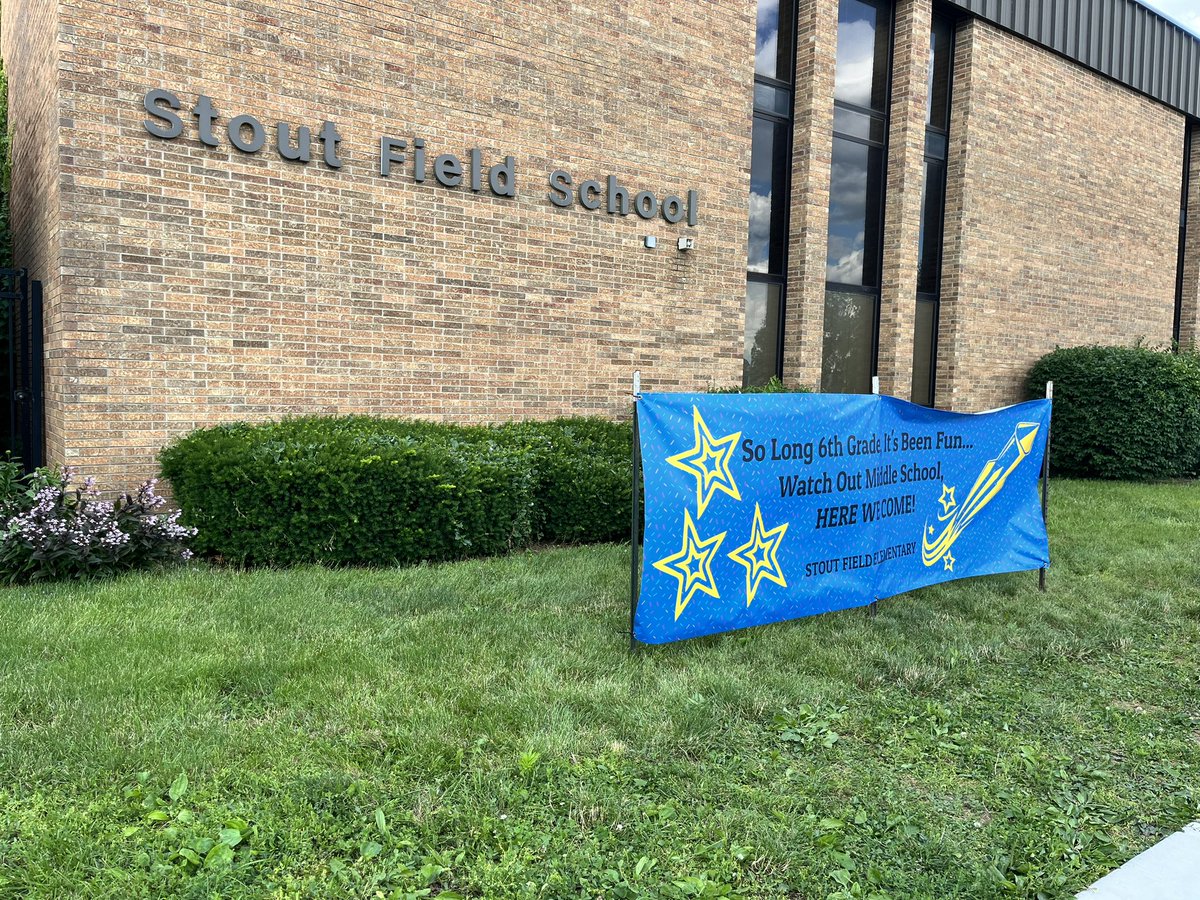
21, 367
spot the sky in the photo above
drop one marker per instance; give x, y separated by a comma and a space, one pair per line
1185, 12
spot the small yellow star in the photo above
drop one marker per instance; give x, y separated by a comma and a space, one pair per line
949, 561
692, 565
947, 499
931, 529
761, 566
708, 461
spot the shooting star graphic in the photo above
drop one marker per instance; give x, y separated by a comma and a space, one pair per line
991, 479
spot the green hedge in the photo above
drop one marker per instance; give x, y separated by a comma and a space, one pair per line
773, 386
357, 490
361, 490
582, 470
1122, 412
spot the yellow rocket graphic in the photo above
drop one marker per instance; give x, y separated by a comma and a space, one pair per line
991, 479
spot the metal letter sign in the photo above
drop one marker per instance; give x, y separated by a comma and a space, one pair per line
762, 508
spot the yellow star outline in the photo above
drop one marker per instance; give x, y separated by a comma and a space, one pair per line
692, 565
765, 565
949, 561
708, 461
947, 501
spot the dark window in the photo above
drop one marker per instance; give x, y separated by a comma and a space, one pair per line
1189, 141
763, 306
933, 200
855, 214
768, 193
849, 334
941, 62
924, 346
770, 177
933, 209
854, 259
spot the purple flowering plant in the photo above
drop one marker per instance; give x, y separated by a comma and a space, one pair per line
52, 527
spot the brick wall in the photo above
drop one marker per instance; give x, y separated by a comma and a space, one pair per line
205, 284
1062, 216
189, 284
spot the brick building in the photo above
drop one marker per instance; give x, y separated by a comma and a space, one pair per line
242, 209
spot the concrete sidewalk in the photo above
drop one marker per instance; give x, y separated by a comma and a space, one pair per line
1170, 870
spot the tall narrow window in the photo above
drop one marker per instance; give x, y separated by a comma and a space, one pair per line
1189, 141
770, 174
853, 266
933, 210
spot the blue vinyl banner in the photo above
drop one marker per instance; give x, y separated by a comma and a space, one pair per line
767, 507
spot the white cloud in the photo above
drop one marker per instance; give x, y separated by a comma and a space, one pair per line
1182, 11
760, 232
764, 59
847, 269
855, 62
767, 38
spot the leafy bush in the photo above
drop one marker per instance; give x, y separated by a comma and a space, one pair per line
50, 530
360, 490
1122, 412
773, 386
582, 472
351, 490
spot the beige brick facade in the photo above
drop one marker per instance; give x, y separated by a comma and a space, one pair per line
201, 284
188, 284
1062, 216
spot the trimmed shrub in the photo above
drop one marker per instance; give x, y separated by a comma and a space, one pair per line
583, 469
366, 491
350, 490
1122, 412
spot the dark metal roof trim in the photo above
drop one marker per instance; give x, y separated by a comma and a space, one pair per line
1122, 39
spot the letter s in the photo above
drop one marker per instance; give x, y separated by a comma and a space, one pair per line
560, 184
150, 103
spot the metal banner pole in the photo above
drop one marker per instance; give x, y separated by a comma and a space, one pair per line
873, 606
635, 520
1046, 486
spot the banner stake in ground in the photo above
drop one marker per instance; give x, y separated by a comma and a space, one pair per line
634, 566
1046, 485
873, 609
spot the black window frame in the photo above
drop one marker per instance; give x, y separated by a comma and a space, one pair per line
935, 296
779, 279
885, 114
1191, 129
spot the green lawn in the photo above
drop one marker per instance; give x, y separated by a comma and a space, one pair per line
479, 729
